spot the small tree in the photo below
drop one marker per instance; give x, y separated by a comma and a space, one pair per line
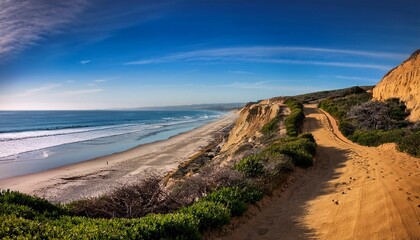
378, 115
370, 115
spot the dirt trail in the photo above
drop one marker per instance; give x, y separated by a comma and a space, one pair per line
352, 192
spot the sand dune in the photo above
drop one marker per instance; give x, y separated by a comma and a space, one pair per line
353, 192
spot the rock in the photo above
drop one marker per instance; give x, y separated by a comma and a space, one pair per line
403, 82
251, 119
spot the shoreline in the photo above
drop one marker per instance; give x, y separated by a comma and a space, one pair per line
96, 176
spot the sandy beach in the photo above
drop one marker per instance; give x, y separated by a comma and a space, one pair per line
99, 175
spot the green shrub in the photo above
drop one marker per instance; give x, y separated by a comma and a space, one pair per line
308, 136
250, 166
17, 210
154, 226
300, 158
12, 227
295, 119
410, 144
397, 109
209, 214
346, 127
377, 137
235, 199
282, 163
366, 138
271, 126
301, 150
38, 204
168, 226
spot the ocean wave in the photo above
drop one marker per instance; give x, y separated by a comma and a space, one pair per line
48, 128
27, 144
57, 131
12, 144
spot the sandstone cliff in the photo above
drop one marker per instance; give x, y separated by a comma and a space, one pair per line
252, 117
403, 82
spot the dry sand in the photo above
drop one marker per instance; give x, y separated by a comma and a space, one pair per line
352, 192
97, 176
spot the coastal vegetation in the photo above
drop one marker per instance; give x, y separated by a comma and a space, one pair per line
271, 127
148, 209
294, 120
372, 123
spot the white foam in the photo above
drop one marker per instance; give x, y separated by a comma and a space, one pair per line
12, 144
31, 141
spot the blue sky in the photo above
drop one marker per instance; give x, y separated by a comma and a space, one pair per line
85, 54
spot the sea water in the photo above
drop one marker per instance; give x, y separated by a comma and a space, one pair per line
33, 141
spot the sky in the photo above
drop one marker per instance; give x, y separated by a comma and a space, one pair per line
100, 54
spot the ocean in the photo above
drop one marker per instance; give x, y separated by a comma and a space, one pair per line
33, 141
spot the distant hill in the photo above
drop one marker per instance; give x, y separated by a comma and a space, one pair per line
212, 107
319, 96
403, 82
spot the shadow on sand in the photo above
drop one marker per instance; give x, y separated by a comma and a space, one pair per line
282, 217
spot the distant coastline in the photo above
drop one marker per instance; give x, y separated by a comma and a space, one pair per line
208, 107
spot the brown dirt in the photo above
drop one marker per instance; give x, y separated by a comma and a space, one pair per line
352, 192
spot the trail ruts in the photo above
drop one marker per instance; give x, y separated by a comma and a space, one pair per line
352, 192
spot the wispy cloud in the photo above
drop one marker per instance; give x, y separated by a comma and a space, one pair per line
319, 63
281, 55
79, 92
100, 80
268, 85
37, 90
70, 81
85, 61
24, 23
357, 78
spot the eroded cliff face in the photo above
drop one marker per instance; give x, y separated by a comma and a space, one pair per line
403, 82
252, 118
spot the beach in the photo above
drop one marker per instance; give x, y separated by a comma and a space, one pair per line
100, 175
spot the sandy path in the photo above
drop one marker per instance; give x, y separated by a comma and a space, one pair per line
353, 192
94, 177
